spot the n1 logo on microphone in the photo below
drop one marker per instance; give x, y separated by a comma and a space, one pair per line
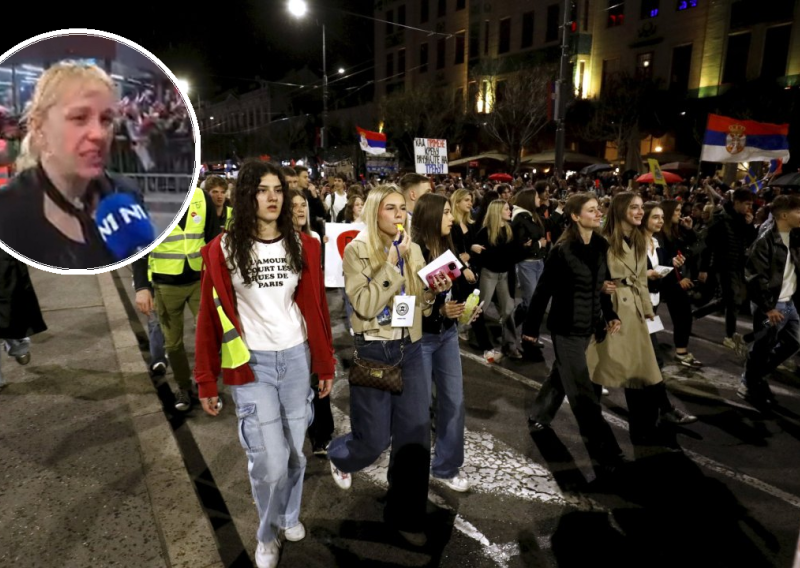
108, 226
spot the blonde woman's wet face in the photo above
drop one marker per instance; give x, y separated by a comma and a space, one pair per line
76, 132
391, 212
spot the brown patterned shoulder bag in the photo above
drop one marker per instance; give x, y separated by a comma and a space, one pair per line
372, 374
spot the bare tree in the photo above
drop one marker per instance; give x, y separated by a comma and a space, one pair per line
517, 101
422, 112
618, 113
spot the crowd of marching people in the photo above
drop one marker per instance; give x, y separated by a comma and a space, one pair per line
593, 263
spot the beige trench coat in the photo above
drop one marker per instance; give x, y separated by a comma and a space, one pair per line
626, 359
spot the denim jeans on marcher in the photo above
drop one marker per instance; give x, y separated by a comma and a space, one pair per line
274, 413
528, 274
773, 344
441, 361
158, 353
379, 418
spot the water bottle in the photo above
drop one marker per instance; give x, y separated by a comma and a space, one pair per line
469, 308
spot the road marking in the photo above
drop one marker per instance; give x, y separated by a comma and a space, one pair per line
701, 460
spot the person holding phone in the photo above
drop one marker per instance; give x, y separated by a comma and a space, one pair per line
572, 278
628, 359
431, 228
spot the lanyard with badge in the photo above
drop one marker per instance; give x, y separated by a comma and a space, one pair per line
402, 312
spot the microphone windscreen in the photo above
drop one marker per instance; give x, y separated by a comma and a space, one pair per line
124, 225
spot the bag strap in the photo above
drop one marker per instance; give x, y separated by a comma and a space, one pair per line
356, 358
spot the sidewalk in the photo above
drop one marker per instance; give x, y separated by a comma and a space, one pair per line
90, 472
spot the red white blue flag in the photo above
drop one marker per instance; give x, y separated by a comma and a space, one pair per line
732, 140
372, 142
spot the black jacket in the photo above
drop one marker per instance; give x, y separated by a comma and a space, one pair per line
573, 277
526, 229
766, 261
500, 257
668, 250
20, 315
727, 241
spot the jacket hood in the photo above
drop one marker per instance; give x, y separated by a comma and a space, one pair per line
519, 211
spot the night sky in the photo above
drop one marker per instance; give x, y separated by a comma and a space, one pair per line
222, 46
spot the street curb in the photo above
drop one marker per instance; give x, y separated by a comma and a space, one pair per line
187, 537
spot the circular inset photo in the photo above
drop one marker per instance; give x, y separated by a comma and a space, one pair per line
99, 156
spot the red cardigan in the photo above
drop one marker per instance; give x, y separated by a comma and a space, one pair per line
309, 296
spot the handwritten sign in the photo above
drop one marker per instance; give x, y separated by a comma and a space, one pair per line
430, 156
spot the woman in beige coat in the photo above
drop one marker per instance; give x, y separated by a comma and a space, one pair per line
627, 359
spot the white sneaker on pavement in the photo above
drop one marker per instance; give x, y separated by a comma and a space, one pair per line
267, 555
295, 533
343, 480
458, 483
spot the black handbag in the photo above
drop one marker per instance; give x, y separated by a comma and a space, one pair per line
376, 375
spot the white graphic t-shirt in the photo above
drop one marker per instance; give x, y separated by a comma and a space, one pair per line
270, 318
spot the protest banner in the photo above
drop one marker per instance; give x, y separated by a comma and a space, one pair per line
430, 156
339, 235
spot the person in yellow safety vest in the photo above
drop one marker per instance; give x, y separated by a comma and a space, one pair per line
174, 270
216, 187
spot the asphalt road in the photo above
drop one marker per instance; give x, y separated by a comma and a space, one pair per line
731, 498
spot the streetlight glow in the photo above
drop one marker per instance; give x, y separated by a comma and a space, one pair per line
298, 8
341, 70
183, 86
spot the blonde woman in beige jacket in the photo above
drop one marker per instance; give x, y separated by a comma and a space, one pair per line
380, 264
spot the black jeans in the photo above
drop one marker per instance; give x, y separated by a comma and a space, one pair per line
680, 311
570, 376
728, 301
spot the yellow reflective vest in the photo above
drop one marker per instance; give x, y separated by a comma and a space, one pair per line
234, 352
228, 217
183, 244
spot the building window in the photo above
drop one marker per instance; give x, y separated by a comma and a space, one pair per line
681, 67
401, 63
389, 22
474, 40
747, 13
585, 19
552, 23
461, 4
499, 92
424, 11
527, 30
644, 65
472, 96
389, 65
776, 52
649, 9
460, 47
442, 11
609, 72
616, 13
486, 37
505, 35
401, 15
736, 58
686, 4
423, 58
460, 99
440, 53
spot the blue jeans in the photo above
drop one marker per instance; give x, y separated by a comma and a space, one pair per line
528, 274
157, 352
274, 412
16, 348
379, 418
773, 344
441, 360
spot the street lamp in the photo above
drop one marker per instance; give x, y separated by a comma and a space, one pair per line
298, 9
341, 70
183, 86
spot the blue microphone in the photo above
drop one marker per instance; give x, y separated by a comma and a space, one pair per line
124, 225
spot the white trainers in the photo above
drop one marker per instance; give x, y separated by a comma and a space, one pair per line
343, 480
295, 533
458, 483
267, 555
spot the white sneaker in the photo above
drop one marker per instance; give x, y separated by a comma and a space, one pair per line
343, 480
295, 533
267, 555
458, 483
604, 392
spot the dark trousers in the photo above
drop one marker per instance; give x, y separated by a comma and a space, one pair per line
680, 311
773, 345
728, 302
644, 407
379, 418
570, 376
321, 429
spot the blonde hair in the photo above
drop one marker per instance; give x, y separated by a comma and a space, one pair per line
375, 246
50, 87
495, 223
24, 160
459, 196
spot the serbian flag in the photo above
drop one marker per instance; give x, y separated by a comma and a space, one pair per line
372, 142
732, 140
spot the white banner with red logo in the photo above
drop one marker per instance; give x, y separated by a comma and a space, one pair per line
339, 235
